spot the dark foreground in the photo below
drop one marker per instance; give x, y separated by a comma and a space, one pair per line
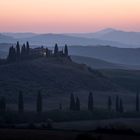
28, 134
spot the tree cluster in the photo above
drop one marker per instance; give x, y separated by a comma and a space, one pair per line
74, 103
62, 52
25, 52
17, 53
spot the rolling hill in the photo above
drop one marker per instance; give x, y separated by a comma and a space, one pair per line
101, 64
130, 39
96, 63
61, 39
120, 56
6, 39
53, 76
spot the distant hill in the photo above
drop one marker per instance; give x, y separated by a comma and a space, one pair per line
53, 76
108, 36
19, 35
125, 56
101, 64
96, 63
51, 39
6, 39
61, 39
130, 39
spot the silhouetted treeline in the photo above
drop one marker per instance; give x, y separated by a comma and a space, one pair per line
19, 52
74, 105
25, 52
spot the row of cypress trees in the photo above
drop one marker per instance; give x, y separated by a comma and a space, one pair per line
18, 52
21, 103
119, 106
74, 105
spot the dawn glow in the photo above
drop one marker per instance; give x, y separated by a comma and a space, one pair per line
59, 16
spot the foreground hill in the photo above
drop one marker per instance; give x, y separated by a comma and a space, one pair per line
52, 75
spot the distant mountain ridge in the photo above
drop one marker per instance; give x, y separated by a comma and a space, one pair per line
109, 36
61, 39
20, 35
6, 39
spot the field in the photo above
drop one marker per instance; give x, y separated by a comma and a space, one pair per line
8, 134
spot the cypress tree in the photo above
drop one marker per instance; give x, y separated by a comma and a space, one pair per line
18, 50
56, 50
109, 103
117, 103
39, 102
72, 102
121, 108
20, 102
9, 54
12, 54
3, 104
23, 51
27, 48
90, 102
66, 50
137, 102
77, 104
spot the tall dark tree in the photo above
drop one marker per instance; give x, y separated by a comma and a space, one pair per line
77, 105
12, 54
18, 50
27, 48
39, 102
66, 50
137, 102
90, 102
23, 51
121, 108
20, 102
117, 103
56, 50
72, 102
109, 103
47, 52
2, 104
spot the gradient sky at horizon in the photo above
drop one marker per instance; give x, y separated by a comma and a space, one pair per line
59, 16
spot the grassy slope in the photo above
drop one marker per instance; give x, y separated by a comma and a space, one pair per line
51, 75
96, 63
129, 79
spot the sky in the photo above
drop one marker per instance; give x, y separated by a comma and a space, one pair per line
61, 16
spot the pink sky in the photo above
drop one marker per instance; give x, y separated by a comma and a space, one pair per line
68, 15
